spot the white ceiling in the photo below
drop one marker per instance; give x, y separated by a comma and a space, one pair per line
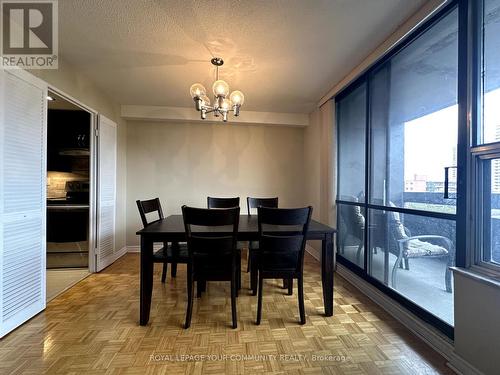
283, 54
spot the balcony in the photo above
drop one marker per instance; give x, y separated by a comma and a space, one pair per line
409, 253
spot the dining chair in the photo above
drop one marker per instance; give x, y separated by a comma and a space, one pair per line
175, 253
252, 205
213, 202
282, 241
212, 257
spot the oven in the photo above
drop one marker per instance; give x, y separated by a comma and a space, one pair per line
68, 227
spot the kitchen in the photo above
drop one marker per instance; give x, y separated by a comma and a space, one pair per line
68, 194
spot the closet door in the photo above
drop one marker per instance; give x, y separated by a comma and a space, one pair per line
106, 193
23, 114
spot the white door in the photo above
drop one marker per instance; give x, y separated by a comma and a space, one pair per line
23, 170
106, 252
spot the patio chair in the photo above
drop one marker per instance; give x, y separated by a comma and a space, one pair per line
351, 224
406, 247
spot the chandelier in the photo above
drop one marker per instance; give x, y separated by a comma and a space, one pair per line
222, 104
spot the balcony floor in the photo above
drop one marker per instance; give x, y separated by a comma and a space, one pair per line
423, 283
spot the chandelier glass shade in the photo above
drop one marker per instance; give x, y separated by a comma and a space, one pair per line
223, 101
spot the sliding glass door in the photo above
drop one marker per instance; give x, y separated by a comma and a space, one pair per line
397, 155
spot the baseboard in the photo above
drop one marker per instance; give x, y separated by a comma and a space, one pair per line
120, 252
313, 252
424, 331
133, 249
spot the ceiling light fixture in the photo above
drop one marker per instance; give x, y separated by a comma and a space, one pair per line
50, 98
222, 103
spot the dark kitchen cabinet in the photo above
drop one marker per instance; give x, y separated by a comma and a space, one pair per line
68, 139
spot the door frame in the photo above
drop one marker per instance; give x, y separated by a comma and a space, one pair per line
92, 175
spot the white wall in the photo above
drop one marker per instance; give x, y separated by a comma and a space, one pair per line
477, 322
75, 84
182, 163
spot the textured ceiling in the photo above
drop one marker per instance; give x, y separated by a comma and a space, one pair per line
283, 54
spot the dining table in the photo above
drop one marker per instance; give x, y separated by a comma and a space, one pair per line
171, 229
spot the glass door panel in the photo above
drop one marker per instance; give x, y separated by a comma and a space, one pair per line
414, 122
351, 118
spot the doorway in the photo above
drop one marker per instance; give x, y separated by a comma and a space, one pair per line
69, 182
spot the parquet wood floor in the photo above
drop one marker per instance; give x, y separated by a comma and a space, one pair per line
93, 329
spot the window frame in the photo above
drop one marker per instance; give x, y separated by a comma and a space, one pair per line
479, 156
478, 151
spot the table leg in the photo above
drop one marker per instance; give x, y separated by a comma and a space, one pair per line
146, 279
327, 273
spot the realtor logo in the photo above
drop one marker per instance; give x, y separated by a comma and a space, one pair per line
29, 34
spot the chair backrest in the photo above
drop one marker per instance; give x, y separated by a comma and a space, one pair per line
282, 237
148, 206
351, 220
254, 203
210, 247
223, 202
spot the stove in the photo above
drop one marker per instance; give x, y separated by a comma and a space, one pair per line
68, 216
77, 194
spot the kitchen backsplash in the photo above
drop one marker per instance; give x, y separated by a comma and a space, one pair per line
56, 182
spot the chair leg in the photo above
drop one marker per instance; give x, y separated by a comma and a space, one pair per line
234, 291
190, 298
253, 280
394, 269
200, 287
164, 272
259, 300
285, 283
358, 254
407, 264
290, 287
447, 275
173, 270
447, 280
302, 312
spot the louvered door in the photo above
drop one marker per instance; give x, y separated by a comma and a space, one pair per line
23, 114
106, 193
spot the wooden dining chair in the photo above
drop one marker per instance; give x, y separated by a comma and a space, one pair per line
252, 205
213, 202
174, 253
282, 241
212, 257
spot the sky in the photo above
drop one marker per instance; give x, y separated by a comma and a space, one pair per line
431, 140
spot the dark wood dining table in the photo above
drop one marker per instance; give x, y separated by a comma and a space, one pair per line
171, 229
